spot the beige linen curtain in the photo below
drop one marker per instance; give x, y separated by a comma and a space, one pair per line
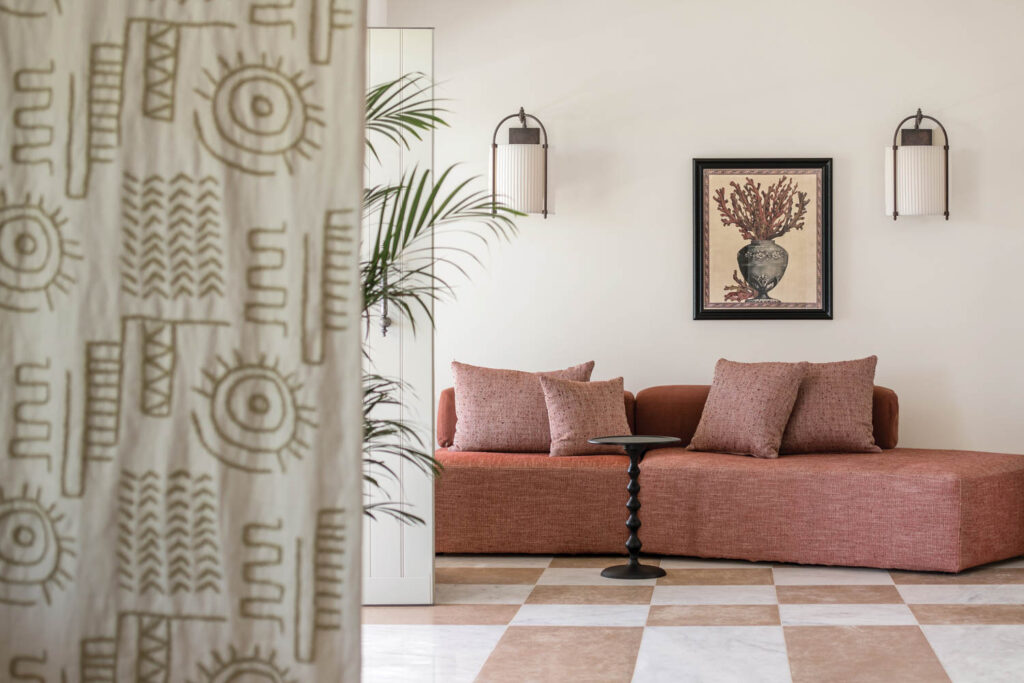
179, 382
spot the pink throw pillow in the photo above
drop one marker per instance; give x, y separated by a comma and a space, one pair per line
833, 410
748, 407
578, 411
503, 410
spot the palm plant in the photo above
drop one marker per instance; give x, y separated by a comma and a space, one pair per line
410, 223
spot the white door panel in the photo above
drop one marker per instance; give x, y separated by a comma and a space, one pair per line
398, 559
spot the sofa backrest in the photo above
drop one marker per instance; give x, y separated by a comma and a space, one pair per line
446, 417
675, 411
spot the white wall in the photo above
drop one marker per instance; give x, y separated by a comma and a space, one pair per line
377, 12
631, 92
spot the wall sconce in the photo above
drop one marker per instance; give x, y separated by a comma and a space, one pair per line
916, 172
519, 170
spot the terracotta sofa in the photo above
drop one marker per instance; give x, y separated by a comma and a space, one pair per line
904, 508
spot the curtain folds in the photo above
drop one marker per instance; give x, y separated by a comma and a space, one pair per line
180, 413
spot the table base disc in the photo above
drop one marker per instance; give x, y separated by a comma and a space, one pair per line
625, 571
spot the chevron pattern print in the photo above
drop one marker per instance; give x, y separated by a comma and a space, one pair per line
167, 534
172, 237
180, 399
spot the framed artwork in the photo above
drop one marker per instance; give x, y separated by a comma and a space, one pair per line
762, 239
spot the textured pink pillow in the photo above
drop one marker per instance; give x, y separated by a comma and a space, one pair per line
578, 411
503, 410
748, 408
833, 409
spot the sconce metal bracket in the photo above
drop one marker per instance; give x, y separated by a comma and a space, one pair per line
918, 136
518, 136
524, 136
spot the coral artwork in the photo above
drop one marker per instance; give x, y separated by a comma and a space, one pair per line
741, 291
763, 214
762, 239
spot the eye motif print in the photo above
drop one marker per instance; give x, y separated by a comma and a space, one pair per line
34, 554
254, 420
35, 256
257, 118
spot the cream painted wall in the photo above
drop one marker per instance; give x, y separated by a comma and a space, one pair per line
630, 92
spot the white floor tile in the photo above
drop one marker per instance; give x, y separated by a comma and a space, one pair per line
979, 654
714, 595
586, 577
1012, 563
581, 615
723, 654
846, 615
974, 594
829, 576
481, 594
705, 563
426, 654
533, 561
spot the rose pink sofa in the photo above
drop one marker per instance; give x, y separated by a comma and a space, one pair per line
903, 508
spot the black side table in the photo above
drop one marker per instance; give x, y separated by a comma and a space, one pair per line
635, 447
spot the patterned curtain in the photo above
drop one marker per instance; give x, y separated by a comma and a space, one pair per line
180, 184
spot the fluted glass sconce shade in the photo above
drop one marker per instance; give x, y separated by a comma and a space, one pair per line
519, 169
917, 172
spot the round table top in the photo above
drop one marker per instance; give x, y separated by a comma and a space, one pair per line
635, 440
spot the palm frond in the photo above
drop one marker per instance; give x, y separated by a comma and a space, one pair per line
386, 441
409, 219
402, 110
390, 509
407, 224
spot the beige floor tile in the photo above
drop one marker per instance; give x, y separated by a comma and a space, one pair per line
714, 595
590, 595
861, 654
481, 575
481, 615
846, 615
830, 576
837, 595
487, 594
595, 561
593, 654
540, 561
982, 575
581, 615
713, 615
708, 563
968, 614
585, 577
717, 577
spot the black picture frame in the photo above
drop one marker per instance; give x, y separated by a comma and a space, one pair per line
719, 311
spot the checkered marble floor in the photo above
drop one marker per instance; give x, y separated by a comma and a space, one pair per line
525, 618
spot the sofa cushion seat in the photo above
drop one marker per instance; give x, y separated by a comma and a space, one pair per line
904, 508
925, 510
530, 503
